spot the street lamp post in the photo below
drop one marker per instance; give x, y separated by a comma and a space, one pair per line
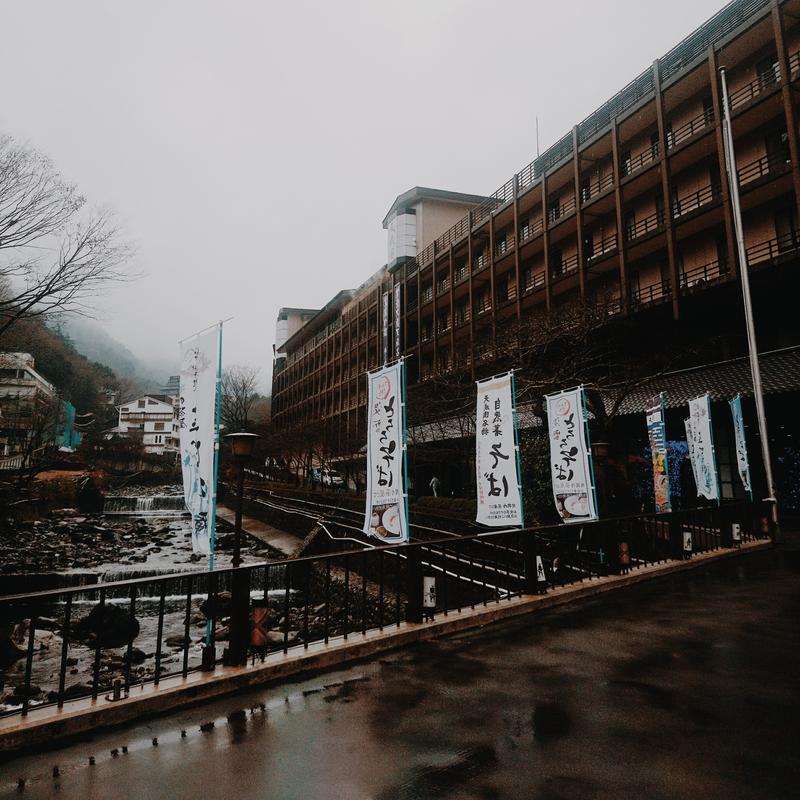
242, 446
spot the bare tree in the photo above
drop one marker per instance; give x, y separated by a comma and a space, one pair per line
239, 397
54, 254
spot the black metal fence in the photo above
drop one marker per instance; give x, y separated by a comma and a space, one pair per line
87, 641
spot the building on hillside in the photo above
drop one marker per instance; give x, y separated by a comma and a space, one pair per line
628, 212
151, 417
27, 405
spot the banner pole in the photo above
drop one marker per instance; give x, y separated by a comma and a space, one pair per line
755, 367
589, 448
516, 447
713, 450
213, 520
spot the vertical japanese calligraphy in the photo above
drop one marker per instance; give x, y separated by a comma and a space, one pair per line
197, 429
386, 509
385, 326
742, 460
701, 448
654, 410
499, 499
398, 320
573, 483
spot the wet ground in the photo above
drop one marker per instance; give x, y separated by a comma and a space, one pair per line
686, 688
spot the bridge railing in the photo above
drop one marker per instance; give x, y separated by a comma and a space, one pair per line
88, 640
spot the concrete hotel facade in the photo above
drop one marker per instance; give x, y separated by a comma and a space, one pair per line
631, 206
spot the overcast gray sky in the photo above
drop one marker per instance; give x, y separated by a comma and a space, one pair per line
251, 149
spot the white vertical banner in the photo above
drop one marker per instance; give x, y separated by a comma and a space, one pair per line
386, 503
498, 489
398, 319
385, 326
570, 465
199, 360
701, 448
742, 461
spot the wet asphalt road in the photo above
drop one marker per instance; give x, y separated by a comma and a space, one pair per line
686, 688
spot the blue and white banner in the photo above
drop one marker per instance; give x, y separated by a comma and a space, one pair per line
499, 497
701, 448
571, 469
742, 461
386, 501
197, 431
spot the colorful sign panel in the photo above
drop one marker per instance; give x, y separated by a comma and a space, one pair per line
656, 432
573, 481
199, 366
386, 501
742, 461
701, 448
496, 454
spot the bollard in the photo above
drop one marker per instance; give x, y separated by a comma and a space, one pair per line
428, 596
541, 576
209, 658
736, 534
117, 690
687, 543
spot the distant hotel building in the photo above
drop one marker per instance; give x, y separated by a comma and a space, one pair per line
630, 208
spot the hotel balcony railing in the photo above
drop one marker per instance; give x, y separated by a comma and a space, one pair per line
566, 267
561, 210
773, 248
426, 335
762, 83
442, 327
704, 274
654, 222
442, 287
602, 248
530, 229
694, 200
480, 262
532, 281
596, 187
460, 275
762, 167
482, 307
504, 245
650, 294
635, 163
426, 295
453, 235
412, 304
462, 317
509, 296
686, 131
794, 63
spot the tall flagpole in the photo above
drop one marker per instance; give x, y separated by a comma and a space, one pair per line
755, 369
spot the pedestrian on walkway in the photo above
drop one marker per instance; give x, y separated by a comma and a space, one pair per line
436, 486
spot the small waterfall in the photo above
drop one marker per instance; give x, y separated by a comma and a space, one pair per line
163, 505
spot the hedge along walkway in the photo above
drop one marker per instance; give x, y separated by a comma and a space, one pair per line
45, 725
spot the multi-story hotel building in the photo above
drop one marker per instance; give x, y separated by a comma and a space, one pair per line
632, 204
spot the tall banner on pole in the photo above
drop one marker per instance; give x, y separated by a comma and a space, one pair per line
385, 326
656, 432
496, 454
199, 366
386, 517
701, 448
570, 460
742, 461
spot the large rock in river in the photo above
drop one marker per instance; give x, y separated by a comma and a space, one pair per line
112, 625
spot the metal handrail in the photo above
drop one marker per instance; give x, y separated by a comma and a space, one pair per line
755, 87
651, 223
701, 122
762, 167
691, 202
635, 163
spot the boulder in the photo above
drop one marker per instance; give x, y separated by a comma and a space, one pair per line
218, 606
111, 625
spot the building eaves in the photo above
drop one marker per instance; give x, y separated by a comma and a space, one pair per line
426, 193
780, 372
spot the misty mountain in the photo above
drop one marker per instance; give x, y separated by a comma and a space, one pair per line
92, 341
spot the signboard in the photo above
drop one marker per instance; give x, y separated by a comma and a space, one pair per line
398, 322
496, 454
742, 461
701, 448
385, 326
386, 501
199, 366
573, 481
656, 432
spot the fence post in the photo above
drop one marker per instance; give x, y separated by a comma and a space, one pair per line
414, 584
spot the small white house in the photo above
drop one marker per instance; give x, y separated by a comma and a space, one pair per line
154, 418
